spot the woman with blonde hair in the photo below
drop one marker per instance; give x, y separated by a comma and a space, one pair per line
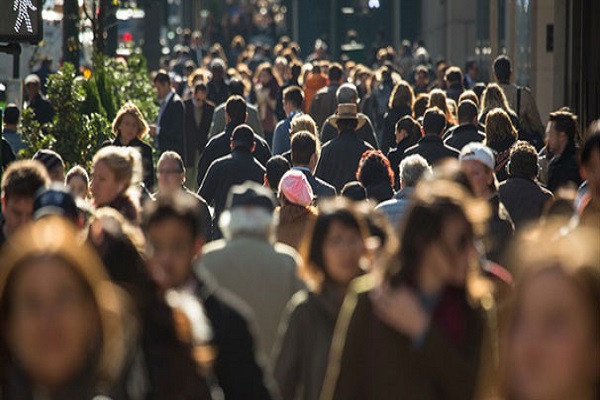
500, 136
65, 331
400, 105
116, 179
493, 97
129, 128
437, 98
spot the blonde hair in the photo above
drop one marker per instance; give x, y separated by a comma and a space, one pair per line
437, 98
498, 126
304, 122
130, 109
124, 162
493, 97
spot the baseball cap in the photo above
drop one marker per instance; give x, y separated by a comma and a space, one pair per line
243, 135
32, 78
295, 188
478, 152
250, 194
55, 200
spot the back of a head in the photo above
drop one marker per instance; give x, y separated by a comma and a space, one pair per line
22, 179
276, 167
411, 169
374, 168
51, 160
11, 114
335, 72
434, 122
303, 146
523, 160
565, 121
454, 75
162, 77
467, 112
502, 69
347, 93
354, 191
236, 109
498, 126
236, 87
294, 95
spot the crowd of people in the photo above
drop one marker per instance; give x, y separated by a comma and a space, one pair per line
311, 229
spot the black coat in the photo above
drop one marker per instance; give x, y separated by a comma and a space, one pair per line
524, 199
220, 146
395, 156
196, 136
41, 106
147, 161
6, 155
365, 132
563, 170
171, 124
432, 149
234, 169
388, 139
320, 188
500, 230
459, 136
339, 159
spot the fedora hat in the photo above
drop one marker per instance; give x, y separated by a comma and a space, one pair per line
347, 111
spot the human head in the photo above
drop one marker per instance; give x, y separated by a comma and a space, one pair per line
437, 98
11, 115
249, 212
347, 93
467, 113
217, 68
374, 168
236, 87
115, 170
200, 92
493, 97
20, 183
304, 150
590, 161
295, 189
78, 180
243, 138
421, 76
56, 200
468, 95
498, 127
265, 74
411, 169
523, 160
402, 96
170, 170
434, 122
478, 162
561, 131
276, 167
174, 233
354, 191
408, 128
453, 76
162, 84
304, 122
235, 110
53, 285
53, 163
346, 118
420, 105
333, 246
130, 122
293, 98
502, 69
553, 333
471, 68
335, 73
32, 86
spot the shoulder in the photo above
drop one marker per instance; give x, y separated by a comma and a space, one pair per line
287, 253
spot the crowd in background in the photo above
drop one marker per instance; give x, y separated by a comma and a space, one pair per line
311, 229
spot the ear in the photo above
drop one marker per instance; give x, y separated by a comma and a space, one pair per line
246, 117
231, 145
198, 245
313, 161
3, 202
253, 148
266, 181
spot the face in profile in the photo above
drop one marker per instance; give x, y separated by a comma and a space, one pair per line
553, 351
343, 248
53, 323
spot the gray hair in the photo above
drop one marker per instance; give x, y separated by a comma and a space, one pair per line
248, 221
347, 93
412, 169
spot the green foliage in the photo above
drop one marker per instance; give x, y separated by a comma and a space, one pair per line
33, 136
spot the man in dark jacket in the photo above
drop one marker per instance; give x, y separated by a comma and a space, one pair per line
347, 93
523, 197
467, 130
561, 133
454, 83
431, 147
174, 234
219, 146
304, 158
198, 117
41, 106
340, 157
168, 131
218, 89
234, 169
325, 101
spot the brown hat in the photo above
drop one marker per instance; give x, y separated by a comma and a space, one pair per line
347, 111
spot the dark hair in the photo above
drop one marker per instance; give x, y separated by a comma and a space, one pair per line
200, 87
412, 128
354, 190
78, 171
236, 87
276, 167
523, 160
178, 205
420, 105
592, 143
236, 109
295, 95
347, 124
335, 72
296, 69
303, 146
454, 75
467, 111
434, 121
502, 69
11, 114
565, 121
23, 179
339, 210
470, 64
374, 168
162, 77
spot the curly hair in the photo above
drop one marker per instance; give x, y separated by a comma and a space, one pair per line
374, 168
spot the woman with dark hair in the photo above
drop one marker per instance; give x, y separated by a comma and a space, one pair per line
376, 175
332, 254
265, 95
400, 105
65, 333
408, 133
415, 332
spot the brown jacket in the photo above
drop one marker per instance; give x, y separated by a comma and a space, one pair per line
370, 361
293, 222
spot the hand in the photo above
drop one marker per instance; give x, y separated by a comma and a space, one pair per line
400, 309
152, 130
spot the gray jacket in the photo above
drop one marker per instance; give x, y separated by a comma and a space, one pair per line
218, 121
